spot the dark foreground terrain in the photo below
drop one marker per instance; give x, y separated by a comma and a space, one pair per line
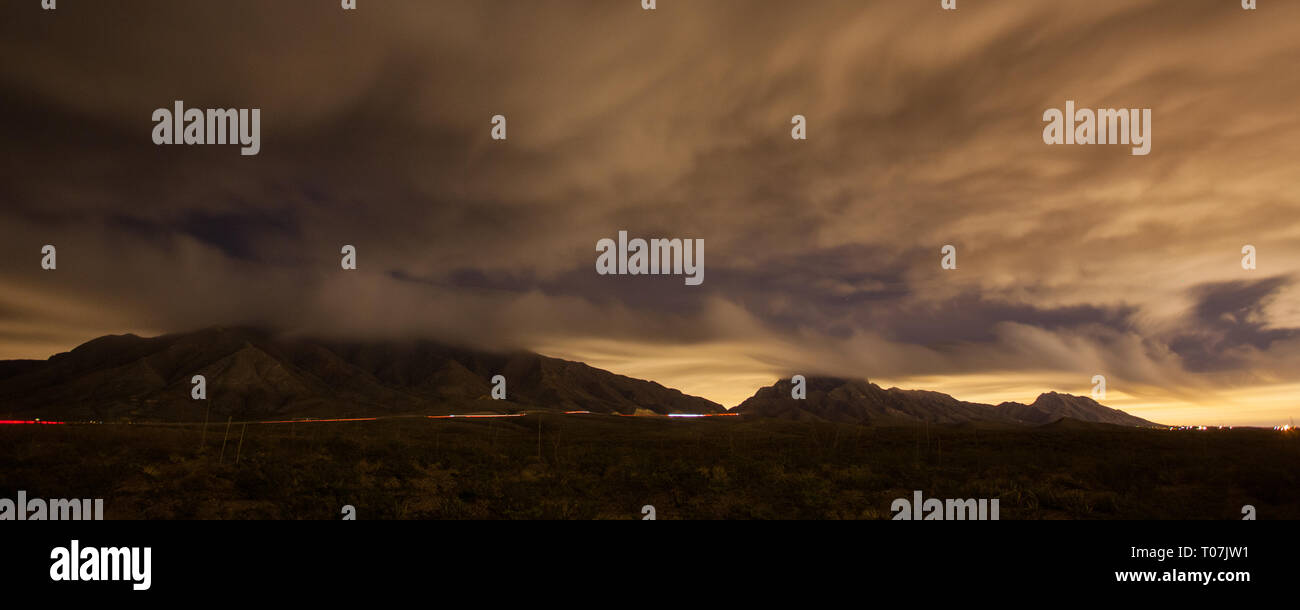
604, 467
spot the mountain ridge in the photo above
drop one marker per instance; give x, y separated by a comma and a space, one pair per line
847, 400
255, 373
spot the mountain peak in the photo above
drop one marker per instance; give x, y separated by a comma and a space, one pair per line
859, 401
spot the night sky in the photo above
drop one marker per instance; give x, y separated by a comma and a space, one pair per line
821, 256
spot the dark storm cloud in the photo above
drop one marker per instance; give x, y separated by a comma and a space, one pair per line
236, 233
1230, 317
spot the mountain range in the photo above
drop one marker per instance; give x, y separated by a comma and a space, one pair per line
860, 401
254, 373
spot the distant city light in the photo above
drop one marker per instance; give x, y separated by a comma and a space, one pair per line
312, 421
477, 416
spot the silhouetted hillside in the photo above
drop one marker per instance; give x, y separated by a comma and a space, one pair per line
253, 373
859, 401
